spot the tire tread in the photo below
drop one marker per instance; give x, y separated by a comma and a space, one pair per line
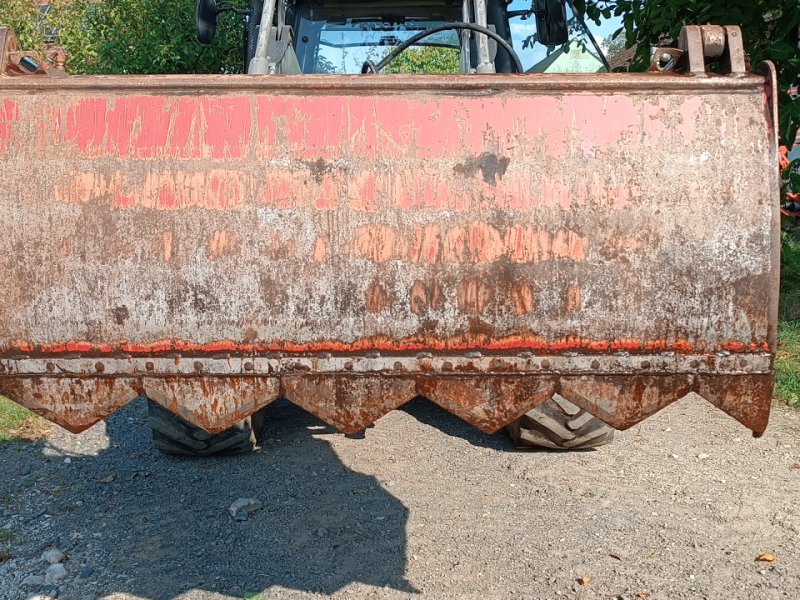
174, 435
558, 424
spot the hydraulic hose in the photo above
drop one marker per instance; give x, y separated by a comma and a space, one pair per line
369, 66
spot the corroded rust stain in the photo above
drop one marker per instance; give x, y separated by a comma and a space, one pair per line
572, 302
747, 400
425, 297
488, 403
213, 403
73, 403
522, 294
349, 403
475, 296
623, 401
377, 298
299, 189
213, 189
166, 246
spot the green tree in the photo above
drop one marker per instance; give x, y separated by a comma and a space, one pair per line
128, 36
614, 45
26, 19
426, 59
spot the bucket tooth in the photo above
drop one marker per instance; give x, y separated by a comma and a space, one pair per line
487, 402
746, 398
212, 403
624, 400
350, 403
74, 403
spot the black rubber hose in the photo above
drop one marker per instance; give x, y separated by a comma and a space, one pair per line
376, 68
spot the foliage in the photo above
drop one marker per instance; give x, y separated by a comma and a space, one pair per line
614, 44
24, 17
787, 361
128, 36
426, 59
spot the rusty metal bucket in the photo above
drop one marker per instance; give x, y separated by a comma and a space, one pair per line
215, 242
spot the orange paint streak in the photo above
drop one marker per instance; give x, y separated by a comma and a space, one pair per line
78, 346
167, 243
319, 250
222, 243
733, 346
409, 344
684, 346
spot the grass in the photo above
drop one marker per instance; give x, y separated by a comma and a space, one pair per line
18, 423
787, 360
787, 363
790, 277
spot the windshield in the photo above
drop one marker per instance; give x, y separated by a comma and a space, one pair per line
339, 38
343, 47
328, 42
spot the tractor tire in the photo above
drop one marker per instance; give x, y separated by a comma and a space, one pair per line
558, 424
174, 435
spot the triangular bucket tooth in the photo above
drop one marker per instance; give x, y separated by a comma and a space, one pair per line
746, 398
624, 400
212, 403
487, 402
74, 403
348, 402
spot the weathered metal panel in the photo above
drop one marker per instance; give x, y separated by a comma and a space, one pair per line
608, 216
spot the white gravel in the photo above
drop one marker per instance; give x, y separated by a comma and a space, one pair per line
678, 507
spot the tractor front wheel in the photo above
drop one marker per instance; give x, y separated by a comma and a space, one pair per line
560, 425
174, 435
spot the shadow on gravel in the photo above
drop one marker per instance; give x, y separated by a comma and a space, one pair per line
435, 416
162, 528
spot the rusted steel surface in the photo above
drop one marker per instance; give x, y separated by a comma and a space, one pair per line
74, 403
349, 402
221, 241
213, 403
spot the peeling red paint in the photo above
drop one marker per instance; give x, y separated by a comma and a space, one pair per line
9, 114
145, 127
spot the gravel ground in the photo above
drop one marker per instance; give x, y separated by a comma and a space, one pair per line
678, 507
